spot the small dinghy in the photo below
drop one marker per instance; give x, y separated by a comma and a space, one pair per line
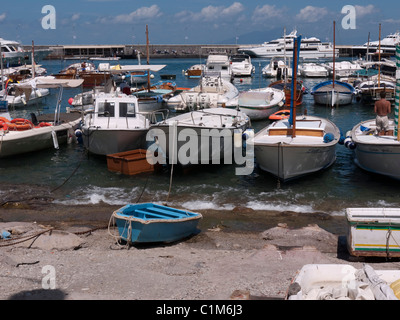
149, 222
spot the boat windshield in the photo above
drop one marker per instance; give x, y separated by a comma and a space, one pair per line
127, 109
106, 109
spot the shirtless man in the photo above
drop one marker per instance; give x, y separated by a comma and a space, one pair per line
382, 109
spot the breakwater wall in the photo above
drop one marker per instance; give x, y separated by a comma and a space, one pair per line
156, 51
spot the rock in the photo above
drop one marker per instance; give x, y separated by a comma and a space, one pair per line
312, 235
240, 295
56, 240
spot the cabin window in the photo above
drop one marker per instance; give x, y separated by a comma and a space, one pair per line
211, 67
224, 68
106, 109
127, 110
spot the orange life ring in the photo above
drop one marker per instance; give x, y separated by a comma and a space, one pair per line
280, 115
43, 124
20, 124
2, 119
3, 125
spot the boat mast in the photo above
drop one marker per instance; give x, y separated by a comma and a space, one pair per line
379, 58
284, 52
1, 62
292, 118
33, 60
147, 52
334, 50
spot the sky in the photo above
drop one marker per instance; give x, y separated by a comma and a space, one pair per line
193, 21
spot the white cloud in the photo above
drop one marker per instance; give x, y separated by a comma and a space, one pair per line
2, 17
140, 14
364, 10
266, 12
311, 14
211, 13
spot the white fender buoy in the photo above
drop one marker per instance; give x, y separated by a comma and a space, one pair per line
55, 140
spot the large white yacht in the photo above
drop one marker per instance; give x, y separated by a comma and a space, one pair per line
11, 50
14, 53
388, 44
311, 48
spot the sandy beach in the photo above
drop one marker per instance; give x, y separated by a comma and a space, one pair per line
221, 262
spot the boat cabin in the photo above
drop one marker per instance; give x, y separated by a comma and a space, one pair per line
117, 111
218, 65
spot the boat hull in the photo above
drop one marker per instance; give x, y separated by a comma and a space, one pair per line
287, 156
20, 142
283, 162
338, 99
146, 223
108, 141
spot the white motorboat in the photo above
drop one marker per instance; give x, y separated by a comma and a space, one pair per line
378, 154
218, 65
276, 68
14, 54
19, 136
344, 68
199, 137
241, 65
258, 104
115, 125
313, 70
344, 282
297, 146
195, 71
22, 97
211, 92
369, 89
311, 48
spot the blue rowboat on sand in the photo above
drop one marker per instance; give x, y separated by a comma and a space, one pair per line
149, 222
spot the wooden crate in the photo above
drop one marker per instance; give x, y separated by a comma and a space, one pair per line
129, 162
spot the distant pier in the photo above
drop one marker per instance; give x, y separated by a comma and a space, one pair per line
158, 51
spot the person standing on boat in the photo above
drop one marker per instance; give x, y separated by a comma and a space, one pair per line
382, 108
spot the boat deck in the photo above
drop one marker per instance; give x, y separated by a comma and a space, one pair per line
364, 133
309, 130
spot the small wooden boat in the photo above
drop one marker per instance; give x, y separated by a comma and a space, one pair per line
286, 86
149, 222
280, 115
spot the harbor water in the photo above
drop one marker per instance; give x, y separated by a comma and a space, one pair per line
75, 178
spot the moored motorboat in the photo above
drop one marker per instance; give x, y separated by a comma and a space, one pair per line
241, 65
379, 154
115, 125
210, 134
211, 92
258, 104
20, 136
